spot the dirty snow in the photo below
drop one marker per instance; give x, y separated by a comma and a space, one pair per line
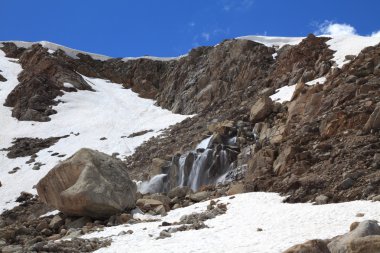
283, 225
320, 80
86, 116
283, 94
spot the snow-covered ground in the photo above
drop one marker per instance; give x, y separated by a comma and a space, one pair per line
110, 112
283, 225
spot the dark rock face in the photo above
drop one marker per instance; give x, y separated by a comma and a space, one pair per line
29, 146
192, 84
323, 148
2, 79
41, 81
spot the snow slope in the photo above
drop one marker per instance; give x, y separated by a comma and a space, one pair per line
110, 112
236, 231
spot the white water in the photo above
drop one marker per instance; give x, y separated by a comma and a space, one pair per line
198, 169
155, 184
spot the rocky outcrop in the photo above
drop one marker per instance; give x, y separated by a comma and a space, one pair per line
364, 237
89, 183
206, 77
321, 147
312, 246
344, 243
30, 146
2, 78
373, 123
43, 79
261, 109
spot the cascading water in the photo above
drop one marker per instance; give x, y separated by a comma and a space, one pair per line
207, 164
156, 184
198, 174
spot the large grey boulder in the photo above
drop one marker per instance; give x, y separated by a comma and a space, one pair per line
344, 243
89, 183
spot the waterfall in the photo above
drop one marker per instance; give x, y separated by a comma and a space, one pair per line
204, 143
199, 169
209, 163
181, 169
155, 184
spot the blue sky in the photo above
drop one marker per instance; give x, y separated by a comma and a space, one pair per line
171, 27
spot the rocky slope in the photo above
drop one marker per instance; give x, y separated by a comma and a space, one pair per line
313, 146
320, 144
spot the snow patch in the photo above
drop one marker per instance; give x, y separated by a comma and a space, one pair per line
282, 224
283, 94
320, 80
68, 85
349, 45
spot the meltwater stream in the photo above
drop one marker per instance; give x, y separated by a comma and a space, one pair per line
207, 164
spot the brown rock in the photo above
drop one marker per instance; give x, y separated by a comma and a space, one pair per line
367, 244
261, 109
312, 246
89, 183
374, 120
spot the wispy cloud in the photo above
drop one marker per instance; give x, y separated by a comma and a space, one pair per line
205, 36
191, 24
331, 28
237, 5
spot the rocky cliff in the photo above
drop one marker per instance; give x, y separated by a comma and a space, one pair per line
323, 144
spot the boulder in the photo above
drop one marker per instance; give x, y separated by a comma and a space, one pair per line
89, 183
179, 192
342, 244
199, 196
367, 244
261, 109
374, 120
312, 246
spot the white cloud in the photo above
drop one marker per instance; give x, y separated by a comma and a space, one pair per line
376, 34
330, 28
192, 24
206, 36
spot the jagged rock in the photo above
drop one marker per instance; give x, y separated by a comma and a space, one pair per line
56, 222
261, 109
374, 120
199, 196
312, 246
12, 249
342, 243
2, 78
89, 183
179, 192
236, 188
321, 199
367, 244
281, 164
148, 204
